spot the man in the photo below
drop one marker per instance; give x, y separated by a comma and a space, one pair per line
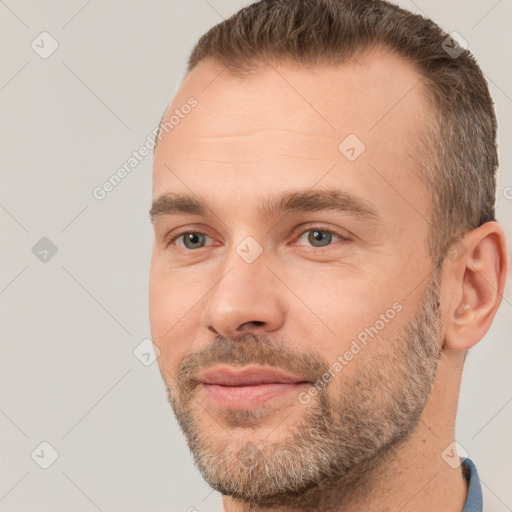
325, 254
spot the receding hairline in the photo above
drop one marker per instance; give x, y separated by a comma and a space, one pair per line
421, 149
371, 51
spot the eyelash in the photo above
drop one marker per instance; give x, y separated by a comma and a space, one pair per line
311, 228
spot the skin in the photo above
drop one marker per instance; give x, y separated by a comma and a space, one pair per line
278, 130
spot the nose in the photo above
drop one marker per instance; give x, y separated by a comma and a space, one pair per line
245, 300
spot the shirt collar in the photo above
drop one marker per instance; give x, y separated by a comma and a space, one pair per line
474, 501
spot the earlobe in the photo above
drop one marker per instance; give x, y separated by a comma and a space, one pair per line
479, 277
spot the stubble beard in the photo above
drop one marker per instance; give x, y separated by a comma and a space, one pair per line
355, 424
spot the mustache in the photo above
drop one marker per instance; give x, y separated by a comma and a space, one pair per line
250, 349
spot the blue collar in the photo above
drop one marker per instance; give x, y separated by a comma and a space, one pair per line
474, 501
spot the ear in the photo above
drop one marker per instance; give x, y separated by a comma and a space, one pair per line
476, 268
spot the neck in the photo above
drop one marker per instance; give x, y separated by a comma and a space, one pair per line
414, 477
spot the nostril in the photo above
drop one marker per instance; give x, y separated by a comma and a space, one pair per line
252, 323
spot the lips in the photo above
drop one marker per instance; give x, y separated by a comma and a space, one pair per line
229, 388
226, 376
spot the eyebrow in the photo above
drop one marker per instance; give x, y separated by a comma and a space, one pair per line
293, 201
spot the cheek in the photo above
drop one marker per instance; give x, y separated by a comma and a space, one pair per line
345, 303
159, 301
174, 309
337, 311
170, 297
171, 330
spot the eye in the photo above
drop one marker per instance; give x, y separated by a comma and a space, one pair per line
318, 237
190, 240
315, 237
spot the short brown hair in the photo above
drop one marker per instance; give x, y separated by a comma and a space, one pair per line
459, 148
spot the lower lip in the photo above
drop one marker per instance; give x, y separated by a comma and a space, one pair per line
244, 397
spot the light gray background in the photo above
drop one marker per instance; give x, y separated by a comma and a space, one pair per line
69, 326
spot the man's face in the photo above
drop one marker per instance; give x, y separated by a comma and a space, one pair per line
310, 250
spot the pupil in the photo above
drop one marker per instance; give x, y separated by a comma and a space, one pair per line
319, 236
192, 239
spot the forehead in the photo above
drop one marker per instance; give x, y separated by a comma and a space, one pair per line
291, 121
